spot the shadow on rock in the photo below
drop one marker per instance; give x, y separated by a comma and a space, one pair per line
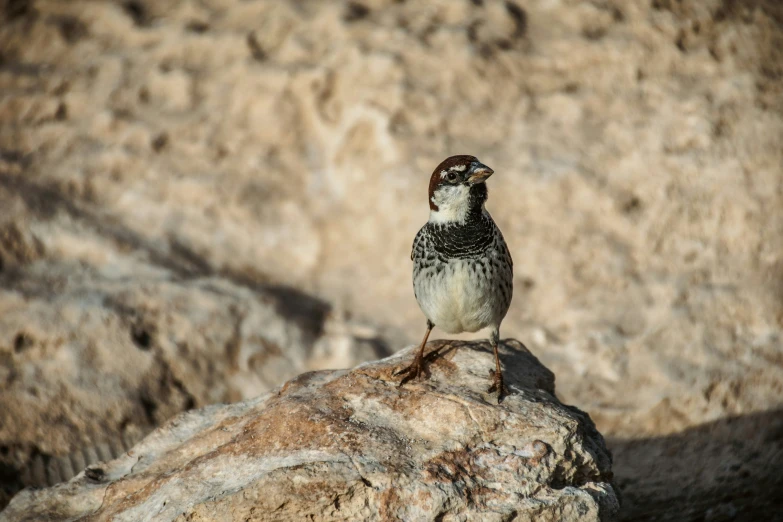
521, 369
729, 469
45, 201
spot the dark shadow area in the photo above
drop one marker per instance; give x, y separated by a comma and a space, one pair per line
730, 469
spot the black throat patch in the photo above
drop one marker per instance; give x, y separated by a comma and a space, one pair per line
462, 240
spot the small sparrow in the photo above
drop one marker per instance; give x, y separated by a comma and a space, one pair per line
462, 270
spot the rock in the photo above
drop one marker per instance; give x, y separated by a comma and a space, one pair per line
111, 356
353, 445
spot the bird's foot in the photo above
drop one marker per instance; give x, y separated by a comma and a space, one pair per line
412, 372
497, 385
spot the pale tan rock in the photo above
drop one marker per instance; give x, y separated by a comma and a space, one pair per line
353, 445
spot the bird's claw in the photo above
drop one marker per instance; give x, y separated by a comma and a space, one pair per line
498, 386
412, 372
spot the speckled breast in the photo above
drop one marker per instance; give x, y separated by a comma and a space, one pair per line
462, 275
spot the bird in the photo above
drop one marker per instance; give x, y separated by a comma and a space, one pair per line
462, 269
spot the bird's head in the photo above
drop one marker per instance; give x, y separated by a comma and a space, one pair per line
457, 189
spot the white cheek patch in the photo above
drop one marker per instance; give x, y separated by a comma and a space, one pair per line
452, 202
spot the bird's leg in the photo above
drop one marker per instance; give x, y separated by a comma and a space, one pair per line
416, 367
497, 375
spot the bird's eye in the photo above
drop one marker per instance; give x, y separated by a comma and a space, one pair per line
451, 176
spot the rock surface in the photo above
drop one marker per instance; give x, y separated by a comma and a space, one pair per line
96, 358
353, 445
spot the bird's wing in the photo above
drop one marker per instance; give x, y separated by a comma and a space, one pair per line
416, 239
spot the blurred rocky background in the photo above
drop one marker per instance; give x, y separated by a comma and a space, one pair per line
200, 199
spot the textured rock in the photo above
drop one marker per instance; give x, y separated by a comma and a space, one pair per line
95, 358
353, 445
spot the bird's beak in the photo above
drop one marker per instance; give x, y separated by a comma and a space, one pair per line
478, 173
